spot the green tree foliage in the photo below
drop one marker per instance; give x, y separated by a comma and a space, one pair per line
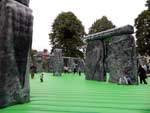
66, 32
148, 4
142, 24
101, 25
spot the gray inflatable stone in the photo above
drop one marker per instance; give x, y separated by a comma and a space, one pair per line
57, 62
121, 58
15, 45
94, 68
24, 2
112, 51
128, 29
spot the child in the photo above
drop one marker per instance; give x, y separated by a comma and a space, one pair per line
42, 76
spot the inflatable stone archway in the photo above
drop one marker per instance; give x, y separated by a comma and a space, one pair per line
111, 51
15, 44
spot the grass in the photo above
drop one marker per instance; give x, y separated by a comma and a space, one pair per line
71, 93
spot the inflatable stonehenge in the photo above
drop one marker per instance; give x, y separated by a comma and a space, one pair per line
15, 44
111, 51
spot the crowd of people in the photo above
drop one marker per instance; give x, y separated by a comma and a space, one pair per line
66, 69
76, 69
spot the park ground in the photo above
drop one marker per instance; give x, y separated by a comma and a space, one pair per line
71, 93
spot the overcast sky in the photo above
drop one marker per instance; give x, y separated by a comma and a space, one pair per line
120, 12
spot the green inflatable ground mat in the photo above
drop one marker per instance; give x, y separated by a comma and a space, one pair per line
71, 93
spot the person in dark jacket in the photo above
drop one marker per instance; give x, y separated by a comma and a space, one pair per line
33, 70
142, 74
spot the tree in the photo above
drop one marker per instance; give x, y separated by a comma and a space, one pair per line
142, 24
101, 25
67, 31
148, 4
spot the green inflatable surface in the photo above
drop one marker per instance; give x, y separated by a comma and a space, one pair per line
71, 93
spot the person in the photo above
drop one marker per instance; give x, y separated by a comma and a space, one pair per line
129, 79
142, 74
123, 80
79, 70
41, 77
145, 67
148, 67
66, 69
74, 68
33, 69
126, 78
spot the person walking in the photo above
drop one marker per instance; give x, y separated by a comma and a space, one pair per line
142, 74
74, 68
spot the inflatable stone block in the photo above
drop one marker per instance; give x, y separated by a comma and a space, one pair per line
15, 44
121, 58
24, 2
94, 63
117, 51
57, 62
128, 29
